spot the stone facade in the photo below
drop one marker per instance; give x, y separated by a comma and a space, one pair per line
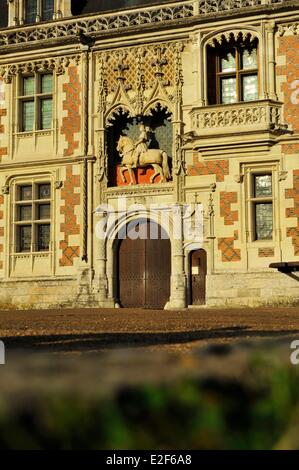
111, 71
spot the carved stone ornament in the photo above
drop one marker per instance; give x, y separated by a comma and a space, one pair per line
288, 29
57, 65
58, 184
282, 175
5, 189
223, 38
238, 178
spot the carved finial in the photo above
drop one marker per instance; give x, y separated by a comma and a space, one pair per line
159, 62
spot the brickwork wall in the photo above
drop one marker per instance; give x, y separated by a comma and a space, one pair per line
266, 252
226, 200
220, 168
293, 193
289, 48
70, 225
227, 247
71, 124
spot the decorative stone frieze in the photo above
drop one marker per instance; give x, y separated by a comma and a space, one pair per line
111, 22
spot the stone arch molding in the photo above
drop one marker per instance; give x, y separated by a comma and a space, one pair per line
125, 104
223, 36
134, 215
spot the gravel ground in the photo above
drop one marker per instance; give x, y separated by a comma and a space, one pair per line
98, 330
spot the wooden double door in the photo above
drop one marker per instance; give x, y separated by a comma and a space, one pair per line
144, 266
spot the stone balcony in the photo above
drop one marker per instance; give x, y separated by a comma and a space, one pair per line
254, 116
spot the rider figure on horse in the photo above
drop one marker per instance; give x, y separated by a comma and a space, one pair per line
140, 145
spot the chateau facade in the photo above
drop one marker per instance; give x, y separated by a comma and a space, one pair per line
177, 104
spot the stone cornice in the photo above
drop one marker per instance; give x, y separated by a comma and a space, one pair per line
74, 29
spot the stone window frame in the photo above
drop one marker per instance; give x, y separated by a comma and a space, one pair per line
15, 223
248, 172
37, 97
265, 36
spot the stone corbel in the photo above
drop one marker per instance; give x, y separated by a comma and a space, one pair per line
238, 178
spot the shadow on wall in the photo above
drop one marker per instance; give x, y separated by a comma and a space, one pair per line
80, 7
4, 13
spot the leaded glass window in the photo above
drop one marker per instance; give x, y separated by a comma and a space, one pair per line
33, 217
38, 10
24, 235
47, 10
264, 221
262, 203
233, 74
31, 11
36, 100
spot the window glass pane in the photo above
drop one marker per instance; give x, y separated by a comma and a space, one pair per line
28, 115
263, 221
46, 113
43, 237
25, 193
228, 61
262, 185
250, 88
44, 191
46, 83
24, 237
25, 213
47, 10
28, 86
228, 90
249, 59
44, 211
30, 11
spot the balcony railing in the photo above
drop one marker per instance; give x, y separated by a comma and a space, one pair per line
238, 117
128, 18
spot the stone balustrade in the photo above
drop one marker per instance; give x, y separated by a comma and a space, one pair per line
237, 117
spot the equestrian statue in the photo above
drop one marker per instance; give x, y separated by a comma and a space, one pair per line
138, 155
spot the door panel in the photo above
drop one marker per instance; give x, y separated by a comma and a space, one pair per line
198, 277
144, 267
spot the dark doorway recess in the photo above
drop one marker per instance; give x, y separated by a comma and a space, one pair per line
198, 268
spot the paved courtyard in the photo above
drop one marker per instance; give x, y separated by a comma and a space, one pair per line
92, 330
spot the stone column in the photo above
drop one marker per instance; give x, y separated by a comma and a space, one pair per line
270, 30
101, 259
178, 276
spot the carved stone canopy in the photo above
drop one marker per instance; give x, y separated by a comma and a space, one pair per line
230, 36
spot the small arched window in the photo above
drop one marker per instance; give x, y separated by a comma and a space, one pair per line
233, 72
39, 10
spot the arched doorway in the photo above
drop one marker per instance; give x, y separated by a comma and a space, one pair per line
198, 268
144, 265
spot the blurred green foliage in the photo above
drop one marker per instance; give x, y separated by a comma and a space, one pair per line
189, 413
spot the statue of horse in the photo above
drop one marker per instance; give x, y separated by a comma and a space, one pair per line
157, 158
